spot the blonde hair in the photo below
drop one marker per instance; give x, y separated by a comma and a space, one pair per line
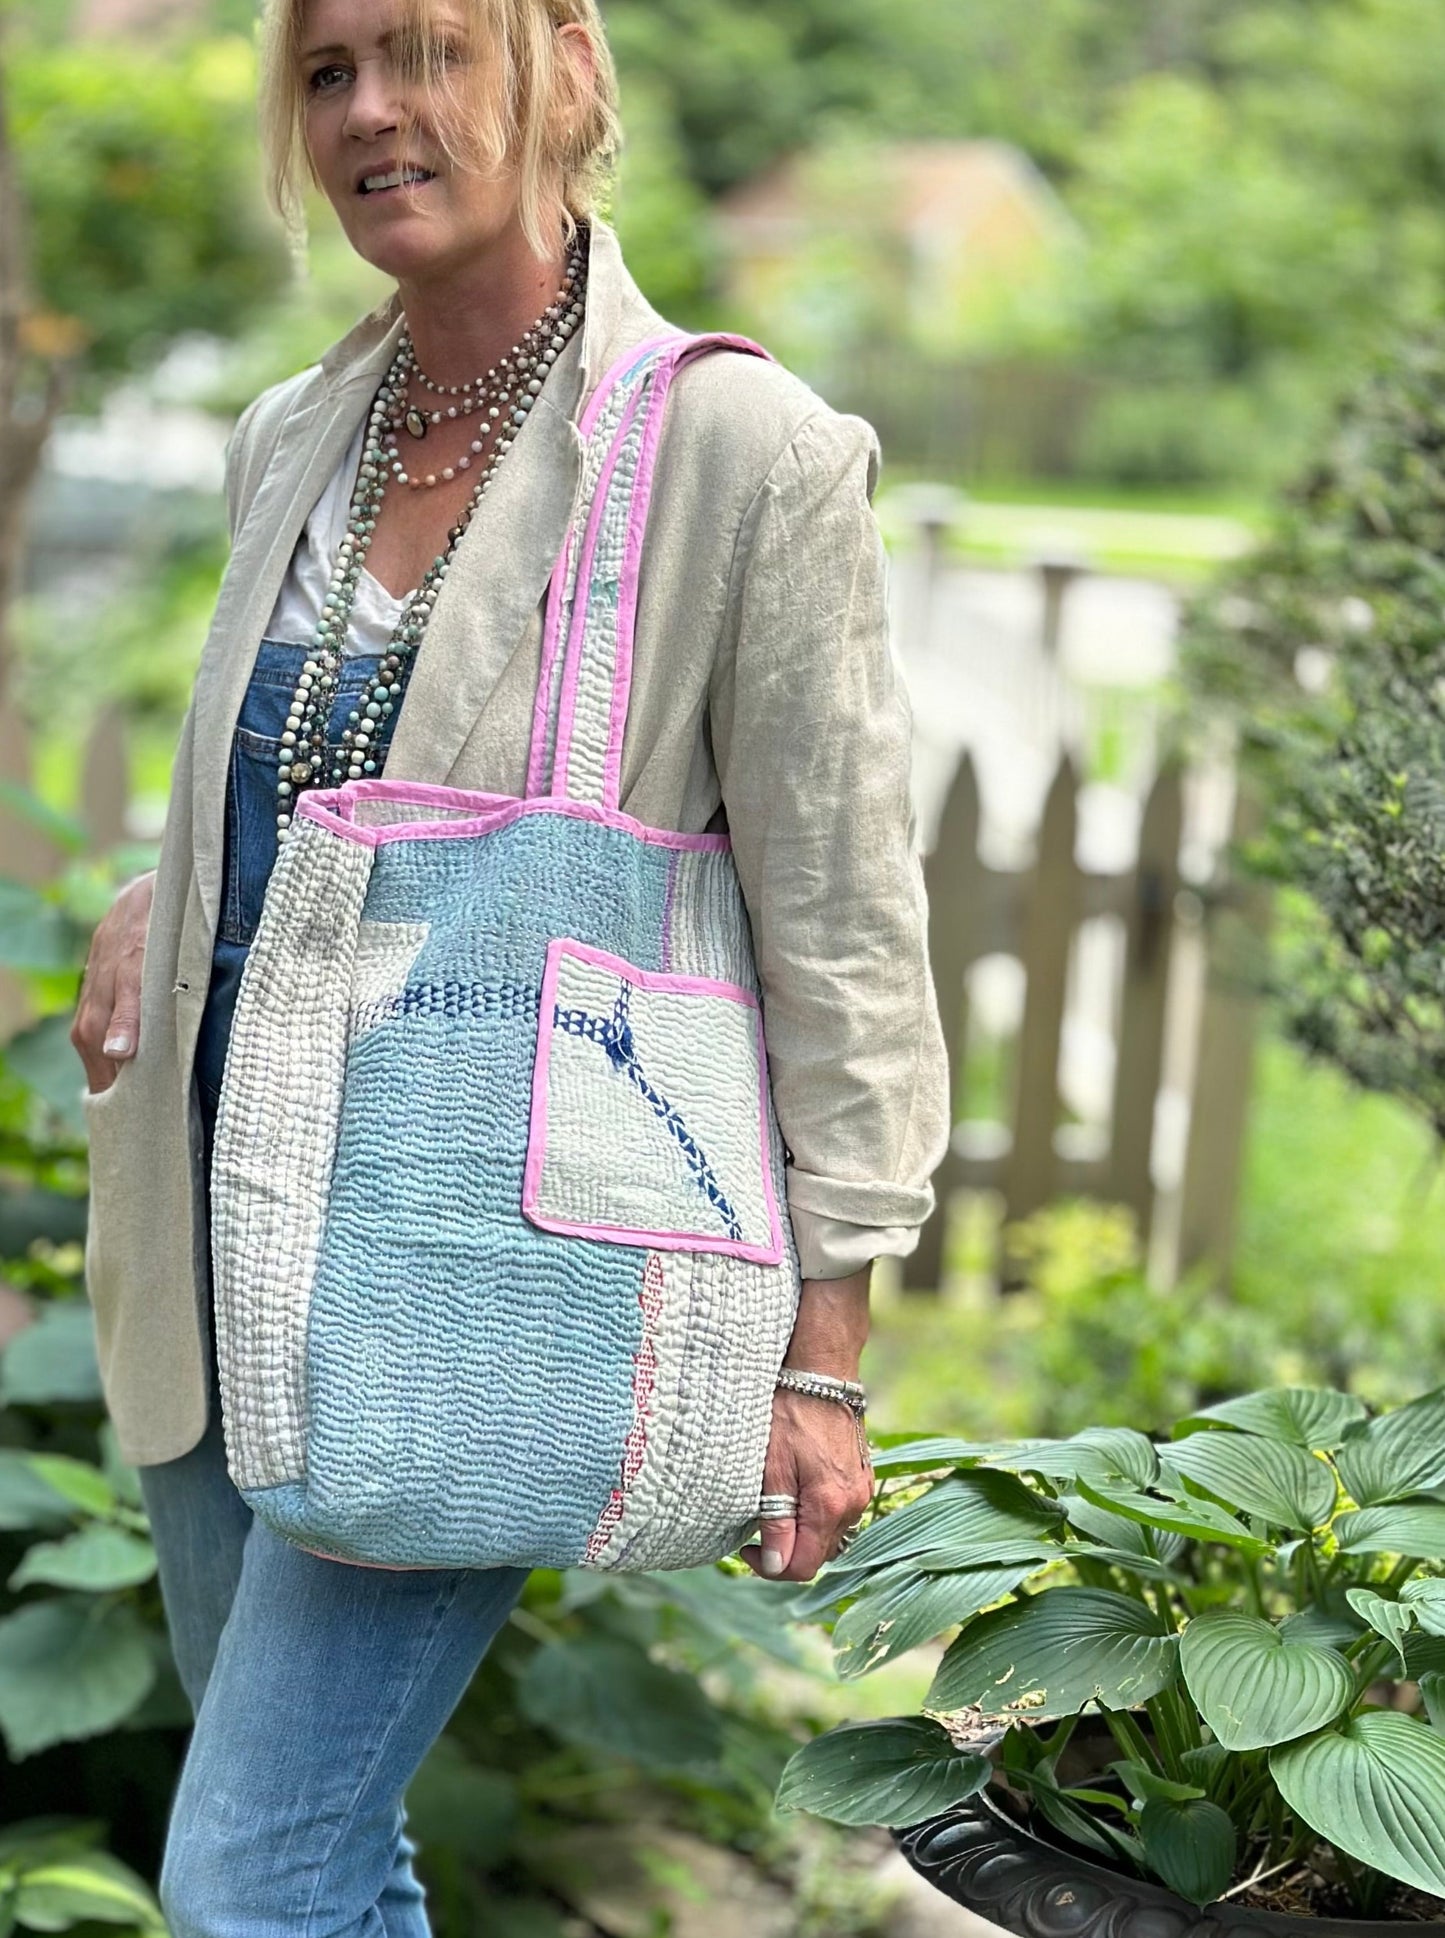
521, 102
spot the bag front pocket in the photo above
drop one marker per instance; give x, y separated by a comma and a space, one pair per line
649, 1120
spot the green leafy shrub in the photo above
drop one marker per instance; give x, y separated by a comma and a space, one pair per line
1325, 650
1255, 1607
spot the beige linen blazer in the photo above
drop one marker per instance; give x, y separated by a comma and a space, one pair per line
765, 701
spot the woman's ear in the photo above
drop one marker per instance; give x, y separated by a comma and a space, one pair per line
577, 44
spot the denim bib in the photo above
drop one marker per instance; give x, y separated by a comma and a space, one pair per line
250, 830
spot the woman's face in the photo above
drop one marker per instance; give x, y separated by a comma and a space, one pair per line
355, 90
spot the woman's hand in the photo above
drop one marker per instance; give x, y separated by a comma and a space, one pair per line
813, 1452
106, 1030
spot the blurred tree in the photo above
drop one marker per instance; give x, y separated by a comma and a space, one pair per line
127, 216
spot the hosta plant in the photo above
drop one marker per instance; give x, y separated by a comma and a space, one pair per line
1251, 1614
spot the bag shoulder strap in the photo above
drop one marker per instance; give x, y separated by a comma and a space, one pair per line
585, 680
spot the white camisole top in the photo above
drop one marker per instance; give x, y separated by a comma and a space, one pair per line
308, 577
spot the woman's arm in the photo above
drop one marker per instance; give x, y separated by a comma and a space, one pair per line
812, 740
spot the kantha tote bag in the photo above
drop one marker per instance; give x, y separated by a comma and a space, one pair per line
503, 1271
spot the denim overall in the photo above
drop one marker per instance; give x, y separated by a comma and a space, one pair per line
324, 1686
250, 853
250, 846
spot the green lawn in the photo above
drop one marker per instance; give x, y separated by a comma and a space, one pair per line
1176, 536
1342, 1223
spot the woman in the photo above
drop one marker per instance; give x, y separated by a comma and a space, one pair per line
464, 145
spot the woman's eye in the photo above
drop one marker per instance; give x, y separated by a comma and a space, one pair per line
318, 82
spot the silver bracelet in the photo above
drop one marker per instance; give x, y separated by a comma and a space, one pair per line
826, 1386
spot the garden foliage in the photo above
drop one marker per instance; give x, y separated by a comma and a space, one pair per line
1256, 1607
1326, 648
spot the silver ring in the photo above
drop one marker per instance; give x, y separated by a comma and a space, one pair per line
777, 1507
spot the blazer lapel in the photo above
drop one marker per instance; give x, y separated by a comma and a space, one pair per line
310, 446
496, 583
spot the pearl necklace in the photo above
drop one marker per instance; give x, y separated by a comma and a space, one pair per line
506, 395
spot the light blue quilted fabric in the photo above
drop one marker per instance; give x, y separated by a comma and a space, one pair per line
499, 1281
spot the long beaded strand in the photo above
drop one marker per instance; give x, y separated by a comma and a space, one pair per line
506, 395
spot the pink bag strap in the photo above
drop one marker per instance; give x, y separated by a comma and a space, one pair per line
585, 680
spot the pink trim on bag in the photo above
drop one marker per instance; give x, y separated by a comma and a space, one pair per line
677, 1241
644, 1385
581, 606
689, 348
492, 812
628, 361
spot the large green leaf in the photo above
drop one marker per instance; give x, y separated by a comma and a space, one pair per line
1398, 1454
94, 1886
52, 1359
1199, 1519
926, 1455
898, 1771
1374, 1785
1118, 1531
461, 1806
1432, 1694
96, 1557
84, 1486
1253, 1687
1281, 1484
1103, 1453
1393, 1620
1053, 1653
833, 1584
1426, 1596
1331, 1622
69, 1668
44, 1057
974, 1519
1189, 1843
607, 1695
1057, 1807
886, 1622
27, 1500
34, 932
1316, 1418
1405, 1528
728, 1608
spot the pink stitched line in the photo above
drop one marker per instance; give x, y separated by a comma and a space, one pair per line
492, 813
577, 636
667, 369
770, 1253
644, 1385
542, 700
655, 978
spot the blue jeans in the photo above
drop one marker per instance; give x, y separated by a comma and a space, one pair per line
317, 1688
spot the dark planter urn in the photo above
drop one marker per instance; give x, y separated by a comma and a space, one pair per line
979, 1856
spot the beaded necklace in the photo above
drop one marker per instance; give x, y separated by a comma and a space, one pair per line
503, 397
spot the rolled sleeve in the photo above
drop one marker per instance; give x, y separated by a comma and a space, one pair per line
812, 732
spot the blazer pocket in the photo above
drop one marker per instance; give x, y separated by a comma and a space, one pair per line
112, 1172
650, 1112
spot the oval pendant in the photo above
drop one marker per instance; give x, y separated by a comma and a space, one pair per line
415, 422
